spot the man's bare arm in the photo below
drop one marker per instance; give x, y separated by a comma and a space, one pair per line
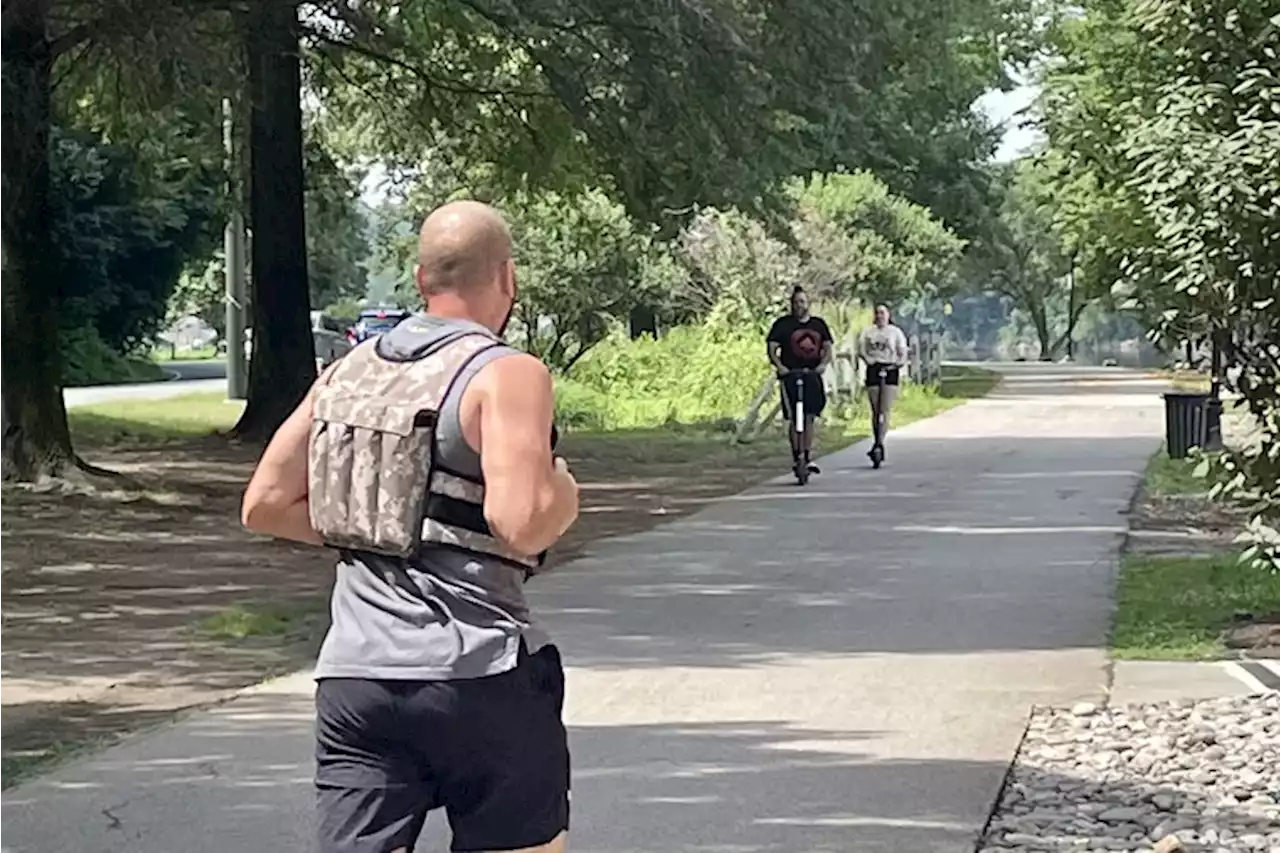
775, 355
275, 502
530, 498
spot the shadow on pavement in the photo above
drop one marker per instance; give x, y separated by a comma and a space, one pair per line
750, 785
1009, 547
753, 785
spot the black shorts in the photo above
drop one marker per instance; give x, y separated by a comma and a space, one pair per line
891, 375
491, 751
815, 394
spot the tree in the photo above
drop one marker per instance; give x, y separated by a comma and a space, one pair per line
337, 228
1170, 109
863, 242
739, 272
37, 441
124, 231
1023, 256
676, 105
582, 265
283, 364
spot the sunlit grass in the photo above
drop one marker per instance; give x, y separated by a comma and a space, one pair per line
189, 416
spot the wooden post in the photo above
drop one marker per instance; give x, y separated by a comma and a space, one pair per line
745, 428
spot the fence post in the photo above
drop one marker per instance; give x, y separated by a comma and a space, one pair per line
753, 411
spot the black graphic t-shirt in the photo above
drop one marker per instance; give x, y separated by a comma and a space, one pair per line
801, 341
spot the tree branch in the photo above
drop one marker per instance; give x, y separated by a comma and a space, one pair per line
453, 87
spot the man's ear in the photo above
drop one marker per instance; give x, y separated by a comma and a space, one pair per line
509, 278
420, 278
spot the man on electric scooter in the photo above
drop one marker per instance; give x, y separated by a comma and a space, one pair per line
799, 341
883, 347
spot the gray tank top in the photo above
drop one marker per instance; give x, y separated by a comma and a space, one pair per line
445, 614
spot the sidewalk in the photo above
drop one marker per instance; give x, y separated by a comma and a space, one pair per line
847, 667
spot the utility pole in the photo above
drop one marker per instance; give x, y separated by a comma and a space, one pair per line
1213, 406
1071, 308
233, 245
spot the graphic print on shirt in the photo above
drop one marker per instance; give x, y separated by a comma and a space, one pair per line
806, 344
878, 347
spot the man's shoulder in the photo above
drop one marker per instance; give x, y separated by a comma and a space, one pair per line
512, 368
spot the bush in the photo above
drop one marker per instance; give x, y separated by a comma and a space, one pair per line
88, 360
693, 375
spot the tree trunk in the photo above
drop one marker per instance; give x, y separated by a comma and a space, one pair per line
283, 365
37, 441
1041, 321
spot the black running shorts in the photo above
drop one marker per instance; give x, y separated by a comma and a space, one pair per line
892, 375
815, 394
490, 751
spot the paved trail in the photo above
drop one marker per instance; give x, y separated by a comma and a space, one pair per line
187, 377
845, 668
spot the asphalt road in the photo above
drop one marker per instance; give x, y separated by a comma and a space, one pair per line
845, 668
187, 377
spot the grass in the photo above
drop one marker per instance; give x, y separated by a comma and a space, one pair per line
197, 415
1176, 608
19, 766
175, 418
1166, 477
966, 383
244, 621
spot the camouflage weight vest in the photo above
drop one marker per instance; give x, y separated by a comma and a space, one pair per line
375, 485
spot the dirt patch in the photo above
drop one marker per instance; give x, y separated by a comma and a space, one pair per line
124, 606
1184, 525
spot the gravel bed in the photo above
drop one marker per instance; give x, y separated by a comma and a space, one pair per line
1202, 777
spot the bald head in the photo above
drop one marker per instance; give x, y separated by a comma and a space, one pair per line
463, 246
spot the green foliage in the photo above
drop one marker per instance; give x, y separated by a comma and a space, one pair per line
582, 263
1023, 255
337, 235
345, 310
694, 374
125, 227
200, 292
88, 360
739, 273
863, 242
675, 105
1168, 112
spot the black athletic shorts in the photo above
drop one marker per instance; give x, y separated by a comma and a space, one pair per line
891, 375
490, 751
815, 394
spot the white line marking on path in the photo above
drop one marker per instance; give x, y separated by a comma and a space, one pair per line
1239, 673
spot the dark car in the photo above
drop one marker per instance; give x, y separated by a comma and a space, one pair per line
375, 321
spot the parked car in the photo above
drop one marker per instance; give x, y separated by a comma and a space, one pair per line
327, 336
375, 321
330, 339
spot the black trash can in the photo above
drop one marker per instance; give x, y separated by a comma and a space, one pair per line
1186, 422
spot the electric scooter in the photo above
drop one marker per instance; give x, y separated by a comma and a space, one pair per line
877, 420
801, 467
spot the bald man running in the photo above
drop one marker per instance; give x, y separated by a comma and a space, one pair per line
436, 686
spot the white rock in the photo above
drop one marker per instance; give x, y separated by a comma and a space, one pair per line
1158, 778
